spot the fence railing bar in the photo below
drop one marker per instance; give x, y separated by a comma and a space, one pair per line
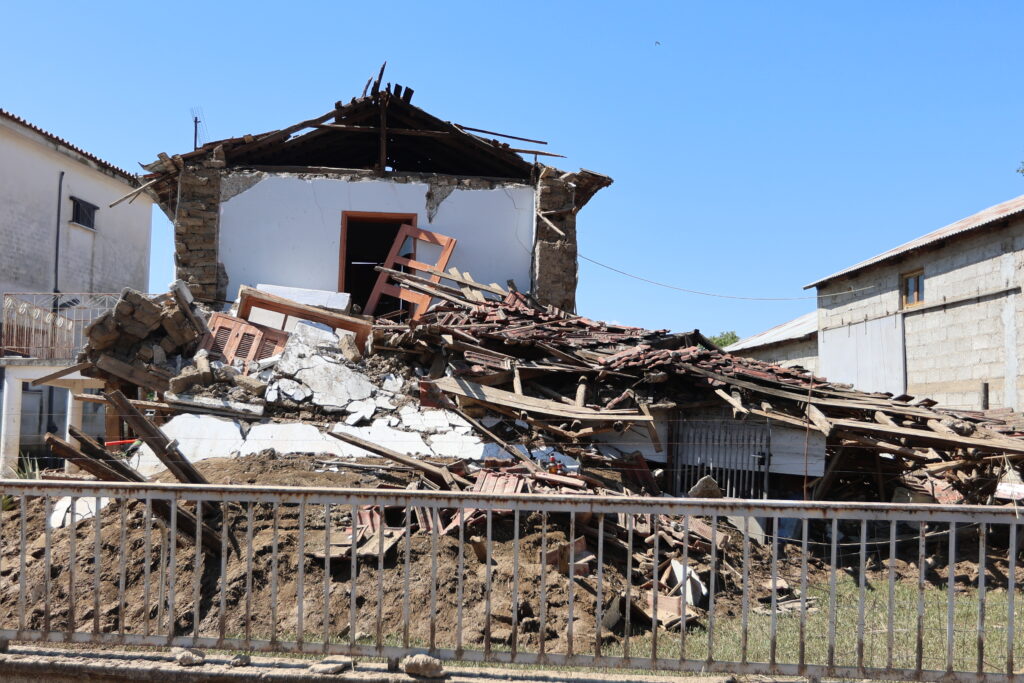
325, 611
459, 581
434, 524
572, 581
515, 582
655, 591
172, 566
96, 566
599, 605
711, 588
982, 555
300, 576
543, 584
47, 568
861, 591
630, 530
488, 575
686, 567
921, 568
273, 568
72, 564
950, 594
379, 623
1011, 591
199, 568
353, 591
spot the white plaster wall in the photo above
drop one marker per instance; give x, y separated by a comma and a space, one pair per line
950, 349
286, 230
113, 256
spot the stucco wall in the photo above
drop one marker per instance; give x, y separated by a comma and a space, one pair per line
802, 352
286, 229
114, 255
966, 331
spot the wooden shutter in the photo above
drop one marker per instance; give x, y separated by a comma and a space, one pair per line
234, 339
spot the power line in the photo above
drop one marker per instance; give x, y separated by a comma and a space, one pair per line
715, 294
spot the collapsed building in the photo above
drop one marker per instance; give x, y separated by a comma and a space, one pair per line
339, 310
318, 204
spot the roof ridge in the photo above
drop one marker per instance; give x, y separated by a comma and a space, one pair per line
132, 178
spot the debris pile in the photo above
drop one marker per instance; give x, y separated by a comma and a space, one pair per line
490, 391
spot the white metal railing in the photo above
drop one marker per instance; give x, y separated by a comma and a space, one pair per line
49, 326
852, 590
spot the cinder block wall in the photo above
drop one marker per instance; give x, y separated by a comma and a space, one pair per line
970, 328
802, 352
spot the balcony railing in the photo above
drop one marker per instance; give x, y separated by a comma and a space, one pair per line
49, 326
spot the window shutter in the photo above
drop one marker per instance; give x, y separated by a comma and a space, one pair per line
234, 339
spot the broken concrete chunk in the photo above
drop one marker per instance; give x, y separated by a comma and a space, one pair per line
185, 656
285, 388
306, 341
706, 487
252, 385
424, 666
334, 385
348, 346
330, 666
358, 411
240, 659
393, 383
424, 421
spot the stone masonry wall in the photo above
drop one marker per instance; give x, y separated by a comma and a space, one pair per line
554, 256
196, 229
970, 328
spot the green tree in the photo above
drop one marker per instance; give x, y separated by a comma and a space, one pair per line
723, 339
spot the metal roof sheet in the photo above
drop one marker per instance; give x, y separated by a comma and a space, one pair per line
978, 220
794, 329
131, 178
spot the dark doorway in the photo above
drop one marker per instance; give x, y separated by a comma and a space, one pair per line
366, 239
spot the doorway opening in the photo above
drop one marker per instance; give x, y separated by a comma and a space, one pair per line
366, 239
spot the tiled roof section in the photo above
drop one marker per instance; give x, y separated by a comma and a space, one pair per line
799, 328
129, 177
964, 225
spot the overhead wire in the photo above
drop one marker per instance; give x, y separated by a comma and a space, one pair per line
716, 294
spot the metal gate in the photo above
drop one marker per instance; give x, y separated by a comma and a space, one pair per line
736, 453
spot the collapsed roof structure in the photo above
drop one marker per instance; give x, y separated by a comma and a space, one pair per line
377, 158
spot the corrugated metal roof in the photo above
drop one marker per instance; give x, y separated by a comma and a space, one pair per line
131, 178
794, 329
980, 219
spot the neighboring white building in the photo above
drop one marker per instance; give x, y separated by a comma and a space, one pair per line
791, 343
58, 234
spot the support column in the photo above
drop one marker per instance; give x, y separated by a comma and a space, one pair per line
74, 414
10, 425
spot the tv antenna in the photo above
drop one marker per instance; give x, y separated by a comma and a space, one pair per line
198, 127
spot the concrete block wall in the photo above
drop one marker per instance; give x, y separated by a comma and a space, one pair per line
802, 352
949, 349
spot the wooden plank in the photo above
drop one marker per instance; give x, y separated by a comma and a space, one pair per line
176, 463
249, 298
187, 523
886, 446
736, 404
437, 474
63, 372
508, 399
815, 415
954, 440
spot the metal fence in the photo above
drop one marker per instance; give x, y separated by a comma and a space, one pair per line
49, 326
869, 591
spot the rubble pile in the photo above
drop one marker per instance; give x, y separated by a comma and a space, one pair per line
490, 391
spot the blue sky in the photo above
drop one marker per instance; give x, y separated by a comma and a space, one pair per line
755, 146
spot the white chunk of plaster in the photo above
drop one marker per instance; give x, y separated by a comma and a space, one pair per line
85, 508
409, 443
455, 445
393, 383
198, 436
358, 411
291, 437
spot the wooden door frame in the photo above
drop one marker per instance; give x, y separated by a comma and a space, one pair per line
373, 217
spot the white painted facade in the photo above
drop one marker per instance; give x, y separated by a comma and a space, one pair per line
286, 229
113, 256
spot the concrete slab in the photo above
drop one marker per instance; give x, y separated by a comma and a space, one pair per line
292, 437
409, 443
198, 436
455, 445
